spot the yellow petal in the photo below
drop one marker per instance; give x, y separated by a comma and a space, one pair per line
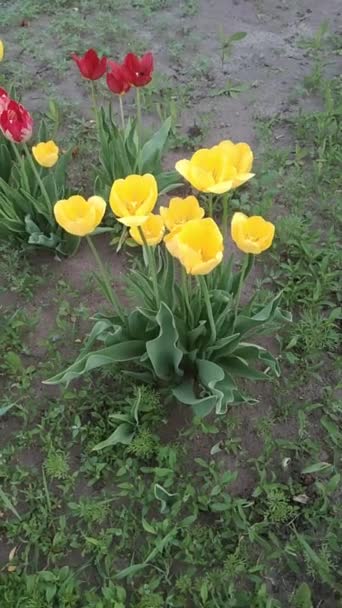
2, 50
133, 220
244, 158
221, 188
180, 211
182, 166
208, 266
99, 205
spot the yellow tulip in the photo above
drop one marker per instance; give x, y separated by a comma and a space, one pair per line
251, 234
2, 50
198, 245
218, 169
153, 230
79, 216
239, 156
132, 199
180, 211
46, 153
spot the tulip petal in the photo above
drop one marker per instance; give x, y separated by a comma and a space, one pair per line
221, 188
99, 205
133, 220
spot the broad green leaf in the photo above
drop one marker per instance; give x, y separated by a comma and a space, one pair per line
163, 351
124, 351
214, 378
237, 366
185, 394
318, 467
123, 434
153, 148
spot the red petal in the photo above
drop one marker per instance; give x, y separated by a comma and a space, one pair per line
146, 63
132, 63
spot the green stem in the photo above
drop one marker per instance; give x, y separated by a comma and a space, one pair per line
138, 106
247, 262
94, 101
152, 265
122, 112
205, 292
225, 215
110, 293
22, 166
186, 296
210, 205
39, 179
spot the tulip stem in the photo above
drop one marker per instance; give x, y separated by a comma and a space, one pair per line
94, 100
109, 292
122, 112
186, 296
22, 166
245, 269
225, 215
152, 265
206, 296
210, 206
39, 180
138, 105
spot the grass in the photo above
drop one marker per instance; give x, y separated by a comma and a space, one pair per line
241, 511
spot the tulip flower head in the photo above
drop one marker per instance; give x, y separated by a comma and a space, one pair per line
118, 79
153, 230
198, 245
79, 216
4, 100
16, 123
251, 234
46, 153
239, 156
139, 68
2, 50
218, 169
90, 65
180, 211
133, 199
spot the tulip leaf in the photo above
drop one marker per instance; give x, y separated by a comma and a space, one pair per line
152, 150
184, 393
214, 378
163, 351
239, 367
124, 351
5, 162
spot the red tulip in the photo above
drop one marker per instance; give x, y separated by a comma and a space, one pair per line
90, 65
16, 123
118, 79
4, 100
139, 69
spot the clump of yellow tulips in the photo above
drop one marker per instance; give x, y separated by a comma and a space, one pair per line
189, 330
